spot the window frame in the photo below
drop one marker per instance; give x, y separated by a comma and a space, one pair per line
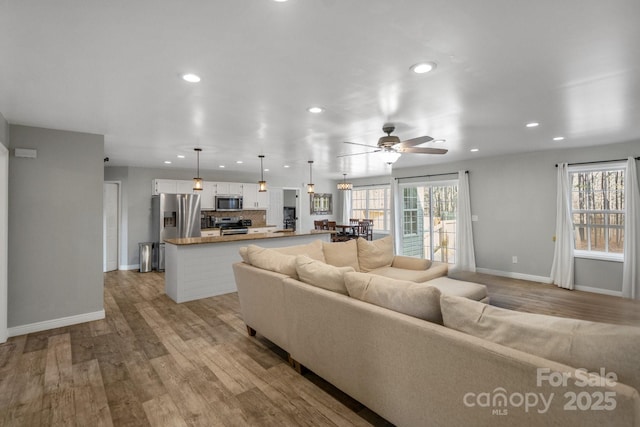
388, 205
588, 253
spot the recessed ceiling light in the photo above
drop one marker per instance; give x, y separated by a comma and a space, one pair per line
558, 138
423, 67
439, 141
180, 156
221, 166
287, 166
167, 162
533, 124
266, 170
474, 150
280, 1
315, 110
191, 78
239, 162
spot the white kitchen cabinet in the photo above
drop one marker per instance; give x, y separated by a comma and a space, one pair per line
163, 186
210, 233
208, 196
229, 188
254, 199
184, 186
254, 230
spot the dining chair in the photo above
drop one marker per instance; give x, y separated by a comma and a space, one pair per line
363, 229
318, 225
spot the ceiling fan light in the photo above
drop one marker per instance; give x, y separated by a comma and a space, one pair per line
390, 157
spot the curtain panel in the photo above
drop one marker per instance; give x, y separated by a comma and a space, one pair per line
562, 270
630, 272
465, 257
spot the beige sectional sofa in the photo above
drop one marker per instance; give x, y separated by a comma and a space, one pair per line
469, 365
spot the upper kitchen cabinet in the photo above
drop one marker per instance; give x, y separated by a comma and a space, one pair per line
229, 187
208, 197
163, 186
254, 199
184, 186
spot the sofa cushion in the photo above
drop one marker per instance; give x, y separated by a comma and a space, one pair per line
577, 343
375, 253
313, 250
460, 288
436, 270
341, 254
322, 275
272, 260
414, 299
410, 263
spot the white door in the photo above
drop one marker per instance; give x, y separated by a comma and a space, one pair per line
4, 231
110, 226
275, 214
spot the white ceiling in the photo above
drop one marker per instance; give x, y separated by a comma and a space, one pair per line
113, 68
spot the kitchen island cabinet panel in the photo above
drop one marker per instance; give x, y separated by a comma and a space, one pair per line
200, 267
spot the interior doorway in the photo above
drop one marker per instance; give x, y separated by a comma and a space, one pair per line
291, 207
4, 237
110, 226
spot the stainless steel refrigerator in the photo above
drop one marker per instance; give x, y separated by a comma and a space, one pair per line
174, 216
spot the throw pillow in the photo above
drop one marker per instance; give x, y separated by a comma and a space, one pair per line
322, 275
243, 254
375, 253
577, 343
269, 259
313, 250
341, 254
414, 299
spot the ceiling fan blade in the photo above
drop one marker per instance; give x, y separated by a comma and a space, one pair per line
357, 154
421, 150
414, 141
363, 145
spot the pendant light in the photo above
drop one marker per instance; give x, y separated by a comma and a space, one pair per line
262, 184
197, 181
344, 185
310, 185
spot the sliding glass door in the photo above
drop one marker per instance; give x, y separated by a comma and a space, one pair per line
429, 212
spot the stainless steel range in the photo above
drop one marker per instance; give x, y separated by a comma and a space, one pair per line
232, 225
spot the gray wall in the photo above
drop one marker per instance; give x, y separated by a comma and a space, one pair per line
4, 132
136, 199
514, 198
55, 225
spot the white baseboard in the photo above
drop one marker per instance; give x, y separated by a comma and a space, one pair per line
542, 279
55, 323
599, 291
512, 275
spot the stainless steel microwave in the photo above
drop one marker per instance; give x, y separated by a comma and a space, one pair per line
231, 202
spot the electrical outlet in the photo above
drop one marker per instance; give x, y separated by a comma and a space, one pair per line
514, 259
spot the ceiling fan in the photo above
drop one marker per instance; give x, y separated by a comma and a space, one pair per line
391, 145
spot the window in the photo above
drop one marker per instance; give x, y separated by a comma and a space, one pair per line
597, 210
372, 203
429, 212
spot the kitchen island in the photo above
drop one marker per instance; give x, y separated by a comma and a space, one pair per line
200, 267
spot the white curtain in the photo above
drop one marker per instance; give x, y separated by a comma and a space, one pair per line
465, 255
346, 206
562, 268
396, 214
630, 272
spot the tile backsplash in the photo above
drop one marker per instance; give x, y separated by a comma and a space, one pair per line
258, 218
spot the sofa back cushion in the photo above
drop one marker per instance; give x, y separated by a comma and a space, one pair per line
313, 250
578, 343
322, 275
272, 260
414, 299
341, 254
375, 253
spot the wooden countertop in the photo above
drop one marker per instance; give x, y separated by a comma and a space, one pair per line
240, 237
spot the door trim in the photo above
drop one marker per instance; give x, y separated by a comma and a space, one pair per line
119, 225
4, 245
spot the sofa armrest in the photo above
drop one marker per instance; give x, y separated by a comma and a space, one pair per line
410, 263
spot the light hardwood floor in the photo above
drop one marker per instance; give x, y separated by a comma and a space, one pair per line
154, 362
